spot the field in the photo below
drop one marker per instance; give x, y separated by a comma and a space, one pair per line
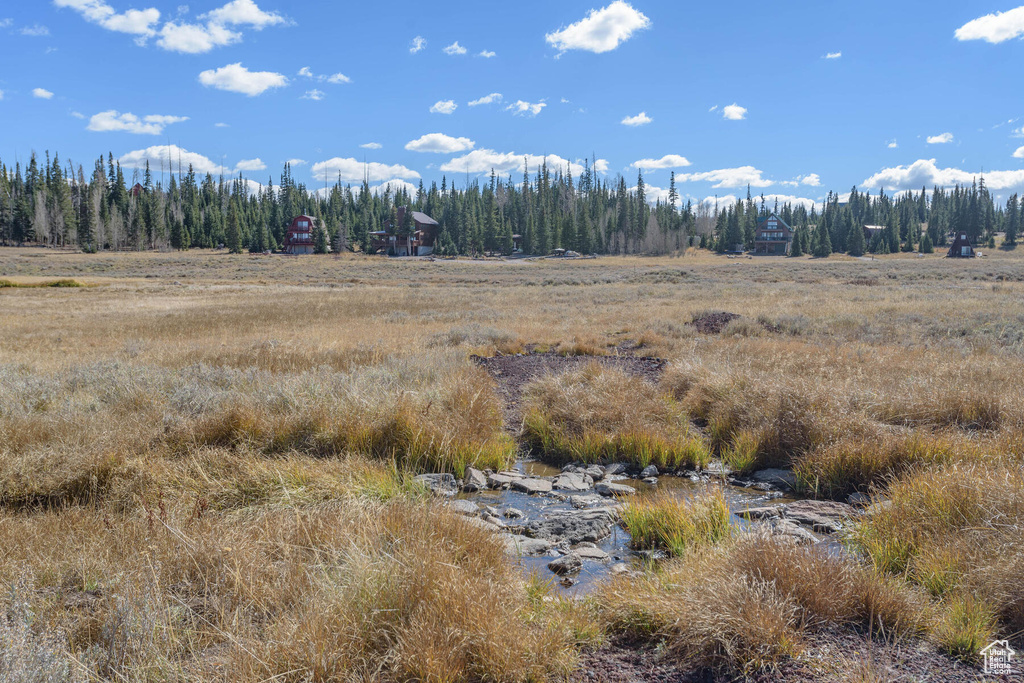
208, 462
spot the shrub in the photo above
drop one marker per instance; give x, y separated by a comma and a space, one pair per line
665, 522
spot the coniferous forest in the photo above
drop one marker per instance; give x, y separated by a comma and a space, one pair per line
49, 202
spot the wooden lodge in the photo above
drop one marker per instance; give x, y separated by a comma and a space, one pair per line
961, 247
772, 236
298, 238
393, 242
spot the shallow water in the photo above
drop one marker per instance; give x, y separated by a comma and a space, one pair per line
617, 544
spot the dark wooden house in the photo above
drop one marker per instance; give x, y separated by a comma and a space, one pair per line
393, 241
961, 247
773, 236
298, 238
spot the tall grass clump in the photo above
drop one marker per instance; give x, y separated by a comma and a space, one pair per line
600, 414
663, 521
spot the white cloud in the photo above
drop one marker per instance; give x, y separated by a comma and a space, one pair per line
113, 120
994, 28
6, 23
734, 112
455, 49
314, 94
170, 157
1019, 154
296, 162
770, 199
811, 179
243, 13
833, 55
305, 72
444, 107
237, 78
250, 165
713, 109
335, 79
35, 31
418, 43
942, 139
601, 30
221, 125
667, 161
195, 39
482, 161
78, 114
487, 54
728, 177
394, 185
371, 145
338, 78
892, 144
522, 108
440, 143
42, 93
352, 170
924, 173
133, 22
641, 119
487, 99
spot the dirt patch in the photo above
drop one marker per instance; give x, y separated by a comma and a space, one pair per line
713, 322
513, 373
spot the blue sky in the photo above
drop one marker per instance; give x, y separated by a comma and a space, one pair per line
794, 97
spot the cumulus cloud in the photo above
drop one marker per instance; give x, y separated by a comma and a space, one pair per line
314, 94
170, 157
115, 121
811, 179
42, 93
487, 99
35, 31
444, 107
133, 22
892, 144
222, 125
483, 161
248, 165
338, 79
455, 49
941, 139
418, 43
994, 28
195, 39
352, 170
486, 54
1019, 154
440, 143
925, 173
728, 177
243, 13
734, 112
371, 145
237, 78
641, 119
602, 30
833, 55
296, 162
667, 161
523, 108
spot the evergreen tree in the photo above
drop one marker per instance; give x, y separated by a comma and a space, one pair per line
233, 234
822, 241
855, 242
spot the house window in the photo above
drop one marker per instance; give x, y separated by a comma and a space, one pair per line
303, 224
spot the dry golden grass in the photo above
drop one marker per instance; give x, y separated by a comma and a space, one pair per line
665, 522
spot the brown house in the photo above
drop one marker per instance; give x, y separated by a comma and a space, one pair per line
772, 236
298, 238
393, 242
961, 247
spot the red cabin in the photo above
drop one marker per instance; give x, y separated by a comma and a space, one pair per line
298, 237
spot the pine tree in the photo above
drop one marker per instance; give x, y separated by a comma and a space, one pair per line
926, 244
233, 234
822, 241
855, 242
797, 246
320, 237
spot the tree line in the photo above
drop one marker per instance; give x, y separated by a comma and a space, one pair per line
53, 203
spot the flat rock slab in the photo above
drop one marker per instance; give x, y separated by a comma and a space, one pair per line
763, 512
784, 479
591, 553
569, 564
572, 528
573, 481
824, 516
464, 507
589, 501
500, 481
611, 489
523, 545
532, 486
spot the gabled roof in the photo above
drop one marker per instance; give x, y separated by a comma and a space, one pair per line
423, 219
762, 221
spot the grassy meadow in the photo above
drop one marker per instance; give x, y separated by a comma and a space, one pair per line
207, 461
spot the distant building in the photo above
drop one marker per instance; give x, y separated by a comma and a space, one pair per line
298, 238
773, 236
137, 189
393, 242
961, 247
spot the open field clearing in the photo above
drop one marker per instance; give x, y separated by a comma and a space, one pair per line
210, 467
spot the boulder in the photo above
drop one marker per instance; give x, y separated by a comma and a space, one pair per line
522, 545
573, 481
582, 502
589, 551
611, 489
464, 507
532, 486
649, 471
439, 484
595, 472
790, 530
764, 512
784, 479
574, 528
824, 516
513, 513
567, 564
475, 480
616, 468
499, 481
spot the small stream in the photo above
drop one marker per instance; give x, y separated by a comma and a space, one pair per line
542, 506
